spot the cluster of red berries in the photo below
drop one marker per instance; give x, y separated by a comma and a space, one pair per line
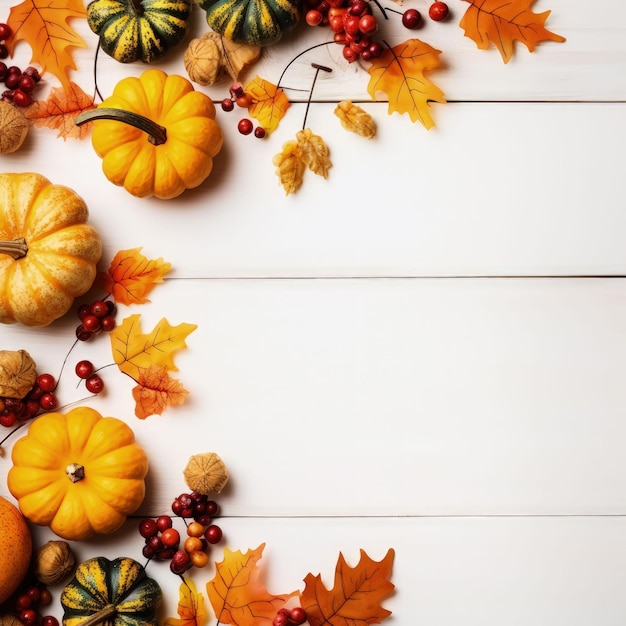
95, 317
243, 100
28, 602
86, 371
163, 542
40, 398
290, 617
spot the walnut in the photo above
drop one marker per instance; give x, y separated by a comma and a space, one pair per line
206, 473
54, 561
13, 128
17, 373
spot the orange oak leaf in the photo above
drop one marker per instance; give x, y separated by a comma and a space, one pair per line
501, 23
43, 24
134, 351
132, 276
238, 596
191, 611
269, 103
355, 597
399, 74
156, 390
60, 109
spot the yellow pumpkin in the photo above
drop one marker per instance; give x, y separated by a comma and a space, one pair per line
79, 473
156, 135
48, 251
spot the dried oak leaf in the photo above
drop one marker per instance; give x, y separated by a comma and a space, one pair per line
399, 73
237, 594
191, 610
314, 152
269, 103
59, 111
132, 276
289, 167
355, 119
500, 23
134, 351
155, 391
43, 24
355, 597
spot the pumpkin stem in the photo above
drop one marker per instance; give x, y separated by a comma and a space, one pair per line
16, 248
157, 134
100, 616
137, 6
75, 472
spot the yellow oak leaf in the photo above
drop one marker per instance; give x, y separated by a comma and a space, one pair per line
60, 109
134, 351
355, 599
488, 22
156, 390
132, 276
237, 594
269, 103
399, 74
289, 167
191, 611
314, 152
43, 24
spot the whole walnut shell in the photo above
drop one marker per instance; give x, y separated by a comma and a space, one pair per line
9, 620
203, 60
206, 473
54, 561
18, 373
13, 128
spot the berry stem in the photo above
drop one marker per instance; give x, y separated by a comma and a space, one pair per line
157, 134
318, 45
383, 10
318, 69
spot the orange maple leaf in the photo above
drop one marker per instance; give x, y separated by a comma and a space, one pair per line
238, 596
43, 24
132, 276
502, 23
60, 109
269, 103
190, 607
399, 73
355, 598
156, 390
134, 351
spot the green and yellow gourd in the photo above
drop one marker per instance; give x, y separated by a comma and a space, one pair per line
255, 22
115, 593
139, 30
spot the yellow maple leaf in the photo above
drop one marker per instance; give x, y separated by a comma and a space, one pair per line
60, 109
399, 74
237, 594
132, 276
500, 23
156, 390
269, 103
191, 609
134, 351
43, 24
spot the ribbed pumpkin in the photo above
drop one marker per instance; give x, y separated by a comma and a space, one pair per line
48, 251
79, 473
138, 30
255, 22
156, 135
114, 593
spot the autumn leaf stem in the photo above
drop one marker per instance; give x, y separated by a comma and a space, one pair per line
318, 69
318, 45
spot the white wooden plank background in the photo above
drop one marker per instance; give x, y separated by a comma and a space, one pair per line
424, 352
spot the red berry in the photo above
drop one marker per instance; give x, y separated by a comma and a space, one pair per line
91, 323
82, 334
5, 31
212, 508
148, 528
34, 593
33, 72
48, 401
227, 104
358, 7
438, 11
148, 552
259, 132
163, 522
155, 543
22, 99
107, 323
245, 126
170, 537
4, 51
4, 71
45, 597
281, 619
213, 534
411, 19
12, 80
28, 617
8, 419
49, 620
32, 408
46, 382
313, 17
236, 90
349, 54
99, 308
26, 83
94, 384
368, 24
297, 616
83, 310
84, 369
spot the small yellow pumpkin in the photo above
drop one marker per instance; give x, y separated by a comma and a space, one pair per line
156, 135
79, 473
48, 251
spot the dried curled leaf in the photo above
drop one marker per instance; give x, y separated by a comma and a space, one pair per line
18, 373
238, 57
355, 119
206, 473
289, 167
314, 152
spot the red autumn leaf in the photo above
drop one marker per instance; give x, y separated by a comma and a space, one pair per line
355, 597
132, 276
43, 24
155, 391
60, 109
399, 74
488, 22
